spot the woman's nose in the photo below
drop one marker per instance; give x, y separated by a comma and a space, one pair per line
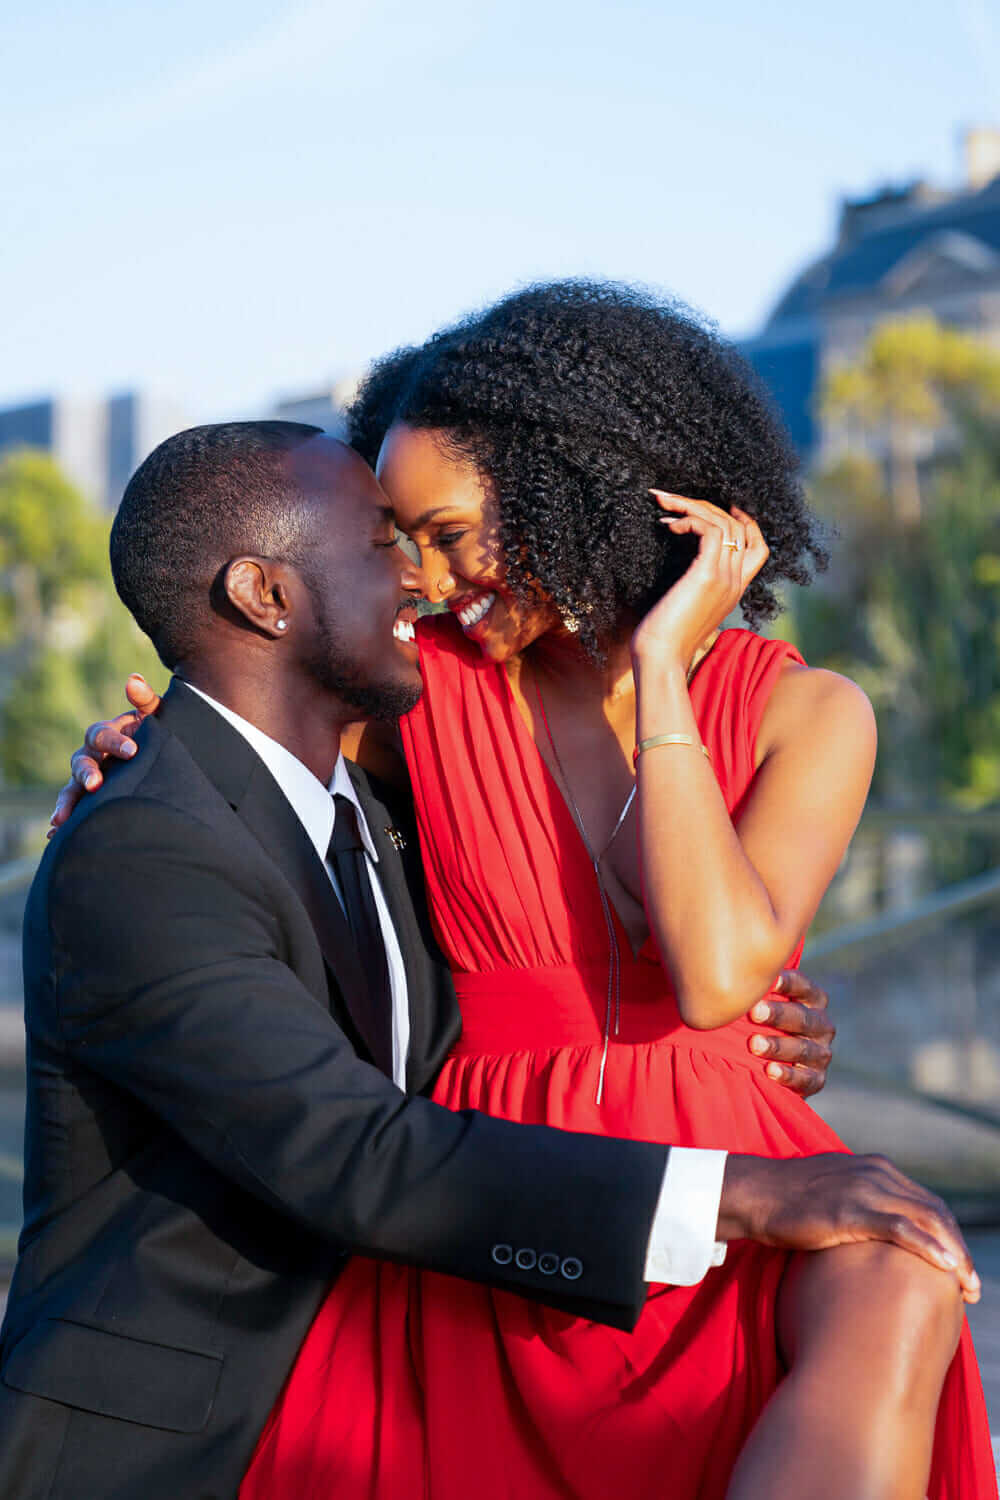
444, 584
432, 583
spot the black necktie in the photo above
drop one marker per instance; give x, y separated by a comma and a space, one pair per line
347, 856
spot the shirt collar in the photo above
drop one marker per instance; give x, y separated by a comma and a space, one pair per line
311, 801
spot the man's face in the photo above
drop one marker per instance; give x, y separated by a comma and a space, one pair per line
353, 580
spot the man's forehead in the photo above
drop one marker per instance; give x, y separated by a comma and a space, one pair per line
330, 471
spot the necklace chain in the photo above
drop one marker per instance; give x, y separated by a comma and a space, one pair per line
613, 1005
696, 662
574, 809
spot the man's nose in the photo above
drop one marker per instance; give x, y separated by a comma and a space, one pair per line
412, 577
431, 583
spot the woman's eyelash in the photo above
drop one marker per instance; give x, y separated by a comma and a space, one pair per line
449, 538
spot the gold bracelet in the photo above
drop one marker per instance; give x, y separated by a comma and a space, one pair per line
666, 739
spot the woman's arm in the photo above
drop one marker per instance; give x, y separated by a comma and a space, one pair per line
729, 903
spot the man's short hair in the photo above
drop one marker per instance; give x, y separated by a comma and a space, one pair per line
202, 497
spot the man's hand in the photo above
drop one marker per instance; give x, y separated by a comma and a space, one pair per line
801, 1058
107, 740
817, 1202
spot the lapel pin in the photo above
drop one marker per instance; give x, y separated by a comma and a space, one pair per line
396, 839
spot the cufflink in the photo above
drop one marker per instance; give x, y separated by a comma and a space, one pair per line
395, 838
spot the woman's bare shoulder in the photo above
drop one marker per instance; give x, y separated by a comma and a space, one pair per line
815, 701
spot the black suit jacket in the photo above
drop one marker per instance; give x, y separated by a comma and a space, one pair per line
206, 1141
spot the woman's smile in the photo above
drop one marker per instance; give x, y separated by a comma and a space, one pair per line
472, 609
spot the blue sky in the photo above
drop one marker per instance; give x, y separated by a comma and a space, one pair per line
227, 202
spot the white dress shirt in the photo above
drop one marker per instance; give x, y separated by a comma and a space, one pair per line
313, 805
682, 1244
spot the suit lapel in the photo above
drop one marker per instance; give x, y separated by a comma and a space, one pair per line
250, 789
271, 819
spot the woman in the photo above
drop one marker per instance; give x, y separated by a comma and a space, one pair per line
593, 484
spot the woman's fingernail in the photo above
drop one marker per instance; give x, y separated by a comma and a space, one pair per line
779, 983
760, 1045
761, 1011
775, 1070
128, 748
975, 1284
90, 783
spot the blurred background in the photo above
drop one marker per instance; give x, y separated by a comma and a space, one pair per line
220, 210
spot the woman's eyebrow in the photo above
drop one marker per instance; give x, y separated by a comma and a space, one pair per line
428, 515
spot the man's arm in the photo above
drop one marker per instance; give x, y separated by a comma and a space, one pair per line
798, 1060
168, 978
170, 981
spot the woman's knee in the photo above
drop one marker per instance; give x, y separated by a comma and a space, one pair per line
872, 1296
918, 1299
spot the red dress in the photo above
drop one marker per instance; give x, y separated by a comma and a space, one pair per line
417, 1386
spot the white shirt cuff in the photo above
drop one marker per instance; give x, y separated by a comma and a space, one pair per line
682, 1243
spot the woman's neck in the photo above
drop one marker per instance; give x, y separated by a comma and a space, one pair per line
559, 662
564, 669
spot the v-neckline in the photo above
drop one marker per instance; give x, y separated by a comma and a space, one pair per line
624, 941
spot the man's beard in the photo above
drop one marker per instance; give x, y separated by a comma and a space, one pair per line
335, 672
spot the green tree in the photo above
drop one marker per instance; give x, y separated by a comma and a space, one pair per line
902, 387
66, 642
913, 609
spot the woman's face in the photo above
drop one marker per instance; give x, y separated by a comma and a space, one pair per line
448, 510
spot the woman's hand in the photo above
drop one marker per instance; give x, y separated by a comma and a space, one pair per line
731, 552
107, 740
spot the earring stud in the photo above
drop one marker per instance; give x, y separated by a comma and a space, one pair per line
281, 625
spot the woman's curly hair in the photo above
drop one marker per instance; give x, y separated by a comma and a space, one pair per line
575, 398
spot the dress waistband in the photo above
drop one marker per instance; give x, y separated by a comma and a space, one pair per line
541, 1009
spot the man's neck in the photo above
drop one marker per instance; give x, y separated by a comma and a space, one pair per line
303, 719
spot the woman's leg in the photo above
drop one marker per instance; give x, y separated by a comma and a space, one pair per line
868, 1332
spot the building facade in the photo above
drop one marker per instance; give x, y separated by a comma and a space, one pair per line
97, 442
900, 252
325, 408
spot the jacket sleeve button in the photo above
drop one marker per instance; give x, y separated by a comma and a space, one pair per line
548, 1263
572, 1268
502, 1254
525, 1260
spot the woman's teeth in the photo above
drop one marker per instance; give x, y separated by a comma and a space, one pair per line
473, 613
403, 630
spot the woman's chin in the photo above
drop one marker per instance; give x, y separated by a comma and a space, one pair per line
503, 633
493, 646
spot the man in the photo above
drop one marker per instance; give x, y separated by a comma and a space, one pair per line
219, 999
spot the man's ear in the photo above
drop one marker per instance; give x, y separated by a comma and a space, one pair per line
257, 588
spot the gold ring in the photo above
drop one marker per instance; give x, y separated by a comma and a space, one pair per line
735, 545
